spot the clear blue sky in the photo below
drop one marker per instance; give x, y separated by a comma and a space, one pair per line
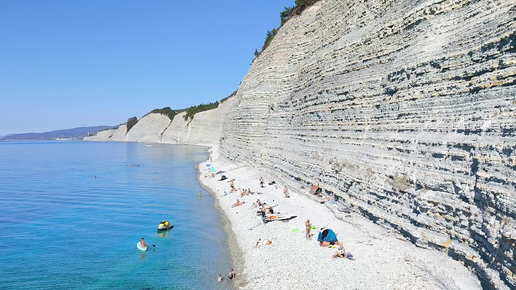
66, 64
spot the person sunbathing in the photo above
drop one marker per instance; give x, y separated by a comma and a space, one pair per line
238, 203
328, 244
341, 252
257, 203
244, 192
263, 210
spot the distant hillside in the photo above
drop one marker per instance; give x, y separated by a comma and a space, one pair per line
73, 134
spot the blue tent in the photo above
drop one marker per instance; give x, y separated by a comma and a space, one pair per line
327, 235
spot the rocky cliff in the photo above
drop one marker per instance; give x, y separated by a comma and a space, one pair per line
404, 109
205, 128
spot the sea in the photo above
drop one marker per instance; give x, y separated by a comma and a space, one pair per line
72, 213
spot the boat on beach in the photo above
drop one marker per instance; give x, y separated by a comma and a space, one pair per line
272, 218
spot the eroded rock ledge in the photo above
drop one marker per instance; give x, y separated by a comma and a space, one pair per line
406, 110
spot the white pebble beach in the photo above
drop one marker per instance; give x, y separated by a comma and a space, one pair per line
383, 259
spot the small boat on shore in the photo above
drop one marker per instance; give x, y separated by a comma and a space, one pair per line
165, 225
272, 218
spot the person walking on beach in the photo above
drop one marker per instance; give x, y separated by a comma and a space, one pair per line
261, 182
285, 191
308, 226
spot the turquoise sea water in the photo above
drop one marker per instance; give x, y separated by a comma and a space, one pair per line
62, 228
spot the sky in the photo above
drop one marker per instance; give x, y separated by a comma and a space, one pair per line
67, 64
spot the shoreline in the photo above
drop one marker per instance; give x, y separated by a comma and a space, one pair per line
383, 259
234, 252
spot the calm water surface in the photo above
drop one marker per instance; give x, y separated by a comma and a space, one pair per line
62, 228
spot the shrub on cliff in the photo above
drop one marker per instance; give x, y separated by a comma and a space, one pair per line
285, 15
190, 112
302, 4
269, 38
167, 111
131, 122
226, 98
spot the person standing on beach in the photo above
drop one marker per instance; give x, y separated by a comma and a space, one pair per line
231, 275
308, 226
261, 182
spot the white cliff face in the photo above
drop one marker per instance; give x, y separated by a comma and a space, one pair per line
148, 129
204, 129
101, 136
109, 135
119, 134
177, 132
406, 110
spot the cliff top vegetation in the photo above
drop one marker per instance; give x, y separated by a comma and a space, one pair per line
131, 122
167, 111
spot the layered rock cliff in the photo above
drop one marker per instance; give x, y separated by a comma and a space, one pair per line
404, 109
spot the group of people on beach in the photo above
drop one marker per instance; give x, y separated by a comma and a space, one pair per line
231, 276
268, 210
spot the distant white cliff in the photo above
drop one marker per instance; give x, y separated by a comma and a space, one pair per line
205, 128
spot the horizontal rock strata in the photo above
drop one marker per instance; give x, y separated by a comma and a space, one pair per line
407, 110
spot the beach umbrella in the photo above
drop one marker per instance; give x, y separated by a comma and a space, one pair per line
327, 235
213, 169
